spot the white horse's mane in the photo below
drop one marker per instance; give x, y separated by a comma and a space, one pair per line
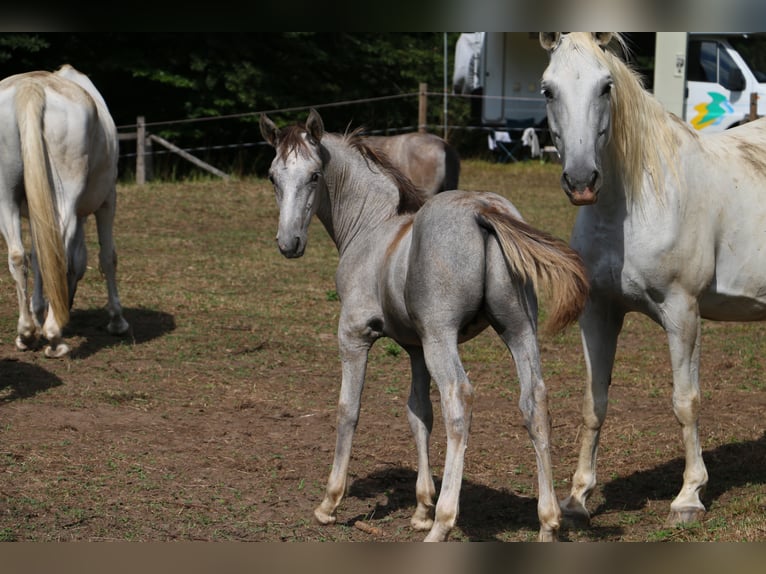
645, 139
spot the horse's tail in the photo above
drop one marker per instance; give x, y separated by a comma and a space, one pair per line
451, 168
40, 194
546, 262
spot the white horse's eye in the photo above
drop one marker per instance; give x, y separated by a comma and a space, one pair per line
547, 93
607, 89
314, 177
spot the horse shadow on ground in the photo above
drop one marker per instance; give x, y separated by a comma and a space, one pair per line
485, 512
728, 466
20, 380
90, 324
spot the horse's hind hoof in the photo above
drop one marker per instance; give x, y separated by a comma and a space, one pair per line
118, 326
59, 351
685, 516
574, 514
26, 342
323, 518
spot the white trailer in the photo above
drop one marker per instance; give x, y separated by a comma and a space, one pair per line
702, 78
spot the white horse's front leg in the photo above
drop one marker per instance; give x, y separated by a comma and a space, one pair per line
600, 326
683, 326
421, 418
354, 355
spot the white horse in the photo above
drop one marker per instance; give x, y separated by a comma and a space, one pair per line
672, 225
428, 278
58, 165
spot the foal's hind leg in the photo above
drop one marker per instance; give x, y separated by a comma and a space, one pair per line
421, 417
107, 258
457, 408
513, 315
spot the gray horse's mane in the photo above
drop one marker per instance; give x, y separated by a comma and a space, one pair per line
291, 140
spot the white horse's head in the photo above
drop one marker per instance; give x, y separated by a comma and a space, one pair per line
577, 86
296, 173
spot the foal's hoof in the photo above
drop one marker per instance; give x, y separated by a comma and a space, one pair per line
574, 514
423, 517
685, 516
118, 326
323, 517
56, 352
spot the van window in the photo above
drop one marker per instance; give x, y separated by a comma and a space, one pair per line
709, 62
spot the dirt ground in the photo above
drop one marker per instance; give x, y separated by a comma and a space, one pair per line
214, 419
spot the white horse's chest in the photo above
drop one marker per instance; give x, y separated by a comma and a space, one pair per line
637, 258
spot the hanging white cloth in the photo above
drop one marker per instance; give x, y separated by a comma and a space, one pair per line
530, 140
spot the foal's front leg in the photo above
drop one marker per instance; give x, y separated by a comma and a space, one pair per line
354, 351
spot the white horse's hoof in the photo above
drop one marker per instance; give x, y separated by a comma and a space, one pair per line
439, 533
118, 326
26, 342
59, 351
574, 513
685, 516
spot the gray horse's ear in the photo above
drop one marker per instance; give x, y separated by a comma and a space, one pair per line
549, 40
602, 38
269, 130
314, 125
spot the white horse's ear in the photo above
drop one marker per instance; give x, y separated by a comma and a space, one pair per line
314, 125
549, 40
269, 130
602, 38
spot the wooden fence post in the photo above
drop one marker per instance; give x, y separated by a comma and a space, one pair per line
753, 106
422, 106
140, 150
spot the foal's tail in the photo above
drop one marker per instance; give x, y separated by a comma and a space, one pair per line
40, 194
546, 262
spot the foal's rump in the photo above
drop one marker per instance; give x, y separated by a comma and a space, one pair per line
475, 248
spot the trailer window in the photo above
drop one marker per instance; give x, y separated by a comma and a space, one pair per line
710, 62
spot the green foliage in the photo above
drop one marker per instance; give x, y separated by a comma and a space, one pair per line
172, 77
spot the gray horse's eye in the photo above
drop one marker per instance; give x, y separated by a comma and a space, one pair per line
314, 177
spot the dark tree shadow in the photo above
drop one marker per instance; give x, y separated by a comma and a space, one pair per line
485, 512
728, 466
20, 380
145, 325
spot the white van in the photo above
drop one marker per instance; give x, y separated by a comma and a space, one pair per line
719, 83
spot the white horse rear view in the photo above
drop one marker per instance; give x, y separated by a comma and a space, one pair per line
59, 165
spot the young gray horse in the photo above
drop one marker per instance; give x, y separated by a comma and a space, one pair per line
429, 278
430, 162
58, 165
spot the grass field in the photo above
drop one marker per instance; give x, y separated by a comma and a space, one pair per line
214, 419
